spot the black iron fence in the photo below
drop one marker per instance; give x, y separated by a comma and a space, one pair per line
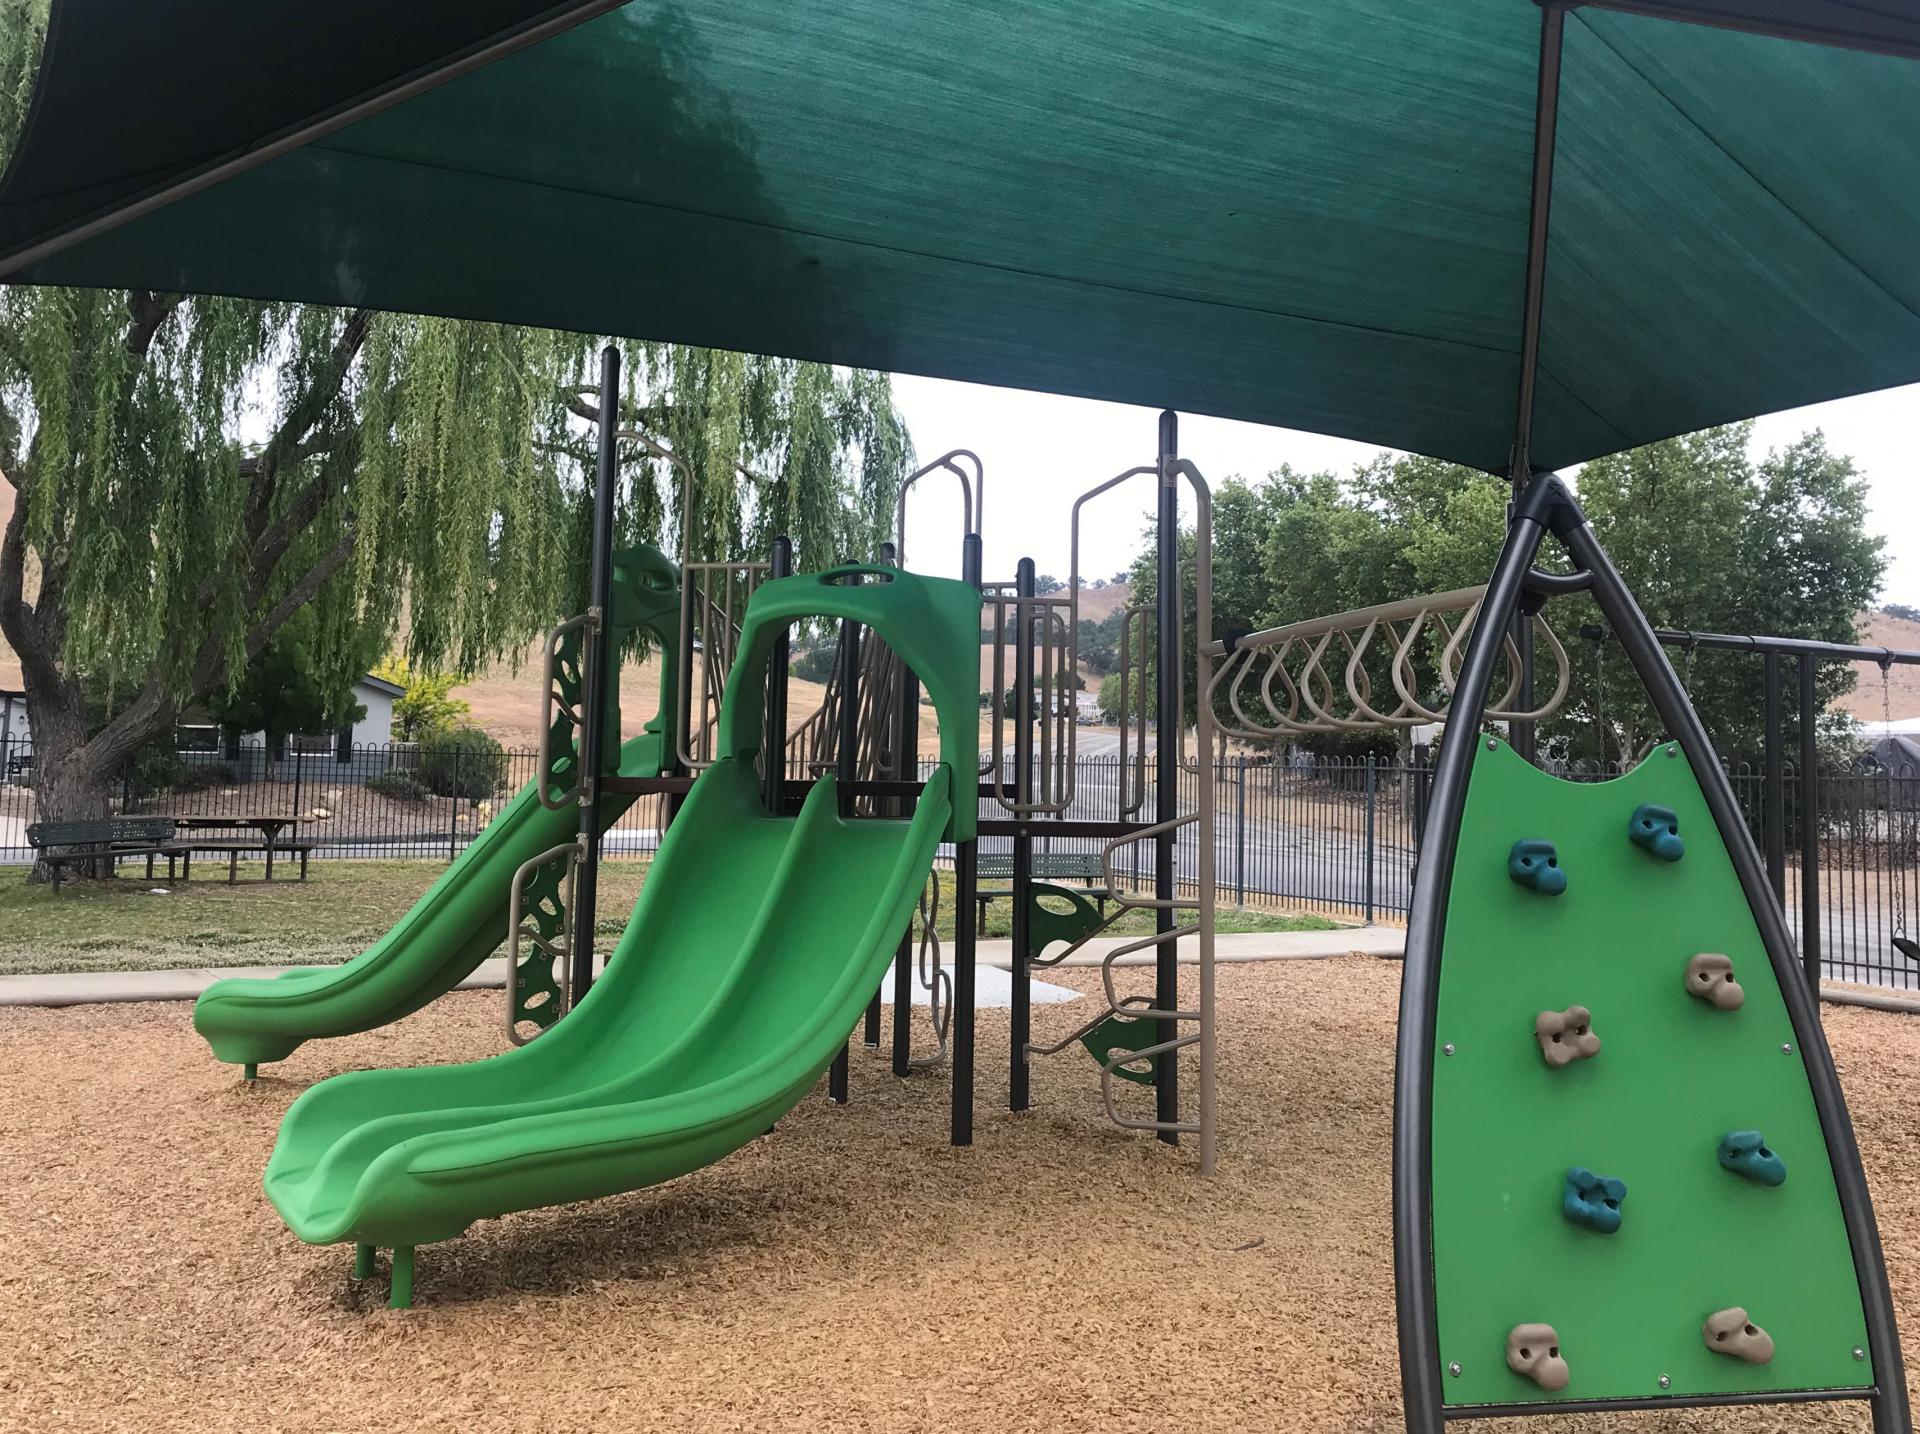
1317, 834
382, 801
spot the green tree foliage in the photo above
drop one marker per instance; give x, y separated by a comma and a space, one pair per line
1707, 538
282, 692
426, 705
1713, 542
192, 472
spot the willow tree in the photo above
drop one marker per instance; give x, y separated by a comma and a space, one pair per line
191, 472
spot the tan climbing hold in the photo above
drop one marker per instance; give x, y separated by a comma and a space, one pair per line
1710, 978
1731, 1333
1533, 1352
1566, 1036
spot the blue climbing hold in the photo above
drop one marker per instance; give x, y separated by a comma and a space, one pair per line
1746, 1153
1536, 866
1593, 1200
1657, 829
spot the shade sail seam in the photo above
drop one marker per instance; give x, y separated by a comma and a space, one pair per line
197, 175
1624, 435
1785, 207
924, 254
1685, 14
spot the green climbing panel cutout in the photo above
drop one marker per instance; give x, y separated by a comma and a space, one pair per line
536, 988
1676, 1075
1045, 925
1118, 1034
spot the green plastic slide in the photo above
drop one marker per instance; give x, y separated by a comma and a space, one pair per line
462, 917
756, 944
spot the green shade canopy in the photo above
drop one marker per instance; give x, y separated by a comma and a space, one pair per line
1313, 213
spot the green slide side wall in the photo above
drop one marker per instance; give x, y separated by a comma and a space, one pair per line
461, 919
1673, 1075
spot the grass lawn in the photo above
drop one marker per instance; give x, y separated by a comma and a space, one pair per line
340, 910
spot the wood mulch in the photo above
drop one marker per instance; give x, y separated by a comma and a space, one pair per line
848, 1272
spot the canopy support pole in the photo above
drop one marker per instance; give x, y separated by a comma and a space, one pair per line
1546, 122
602, 671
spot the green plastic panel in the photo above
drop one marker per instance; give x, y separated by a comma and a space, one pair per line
1673, 1075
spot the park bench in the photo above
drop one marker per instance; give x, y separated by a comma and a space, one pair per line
1086, 868
102, 843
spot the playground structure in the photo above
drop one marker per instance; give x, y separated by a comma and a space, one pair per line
376, 1158
1400, 333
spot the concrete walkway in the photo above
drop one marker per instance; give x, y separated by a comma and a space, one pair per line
85, 988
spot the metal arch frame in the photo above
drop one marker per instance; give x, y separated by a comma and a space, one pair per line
1168, 471
973, 496
697, 577
1547, 506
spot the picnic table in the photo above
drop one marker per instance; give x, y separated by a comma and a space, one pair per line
267, 838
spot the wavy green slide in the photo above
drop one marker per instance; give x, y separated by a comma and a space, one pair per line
462, 917
754, 948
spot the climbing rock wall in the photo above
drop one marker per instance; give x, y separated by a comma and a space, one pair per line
1631, 1190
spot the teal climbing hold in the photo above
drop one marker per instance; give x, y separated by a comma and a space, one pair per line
1746, 1153
1536, 866
1657, 830
1593, 1201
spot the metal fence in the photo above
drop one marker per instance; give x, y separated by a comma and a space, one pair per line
382, 801
1318, 834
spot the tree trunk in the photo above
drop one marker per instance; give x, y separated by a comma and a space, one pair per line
69, 784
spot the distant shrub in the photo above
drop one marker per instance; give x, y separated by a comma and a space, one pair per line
201, 776
151, 772
397, 784
816, 663
462, 762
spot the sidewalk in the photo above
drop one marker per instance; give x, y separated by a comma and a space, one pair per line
87, 988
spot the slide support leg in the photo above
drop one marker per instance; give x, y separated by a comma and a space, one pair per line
400, 1295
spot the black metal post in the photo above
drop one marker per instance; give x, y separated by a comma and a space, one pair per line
1773, 784
1809, 824
848, 771
904, 766
773, 739
1546, 121
598, 676
1023, 715
1166, 753
965, 881
1373, 786
1240, 833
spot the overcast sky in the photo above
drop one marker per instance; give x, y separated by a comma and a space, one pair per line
1043, 451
